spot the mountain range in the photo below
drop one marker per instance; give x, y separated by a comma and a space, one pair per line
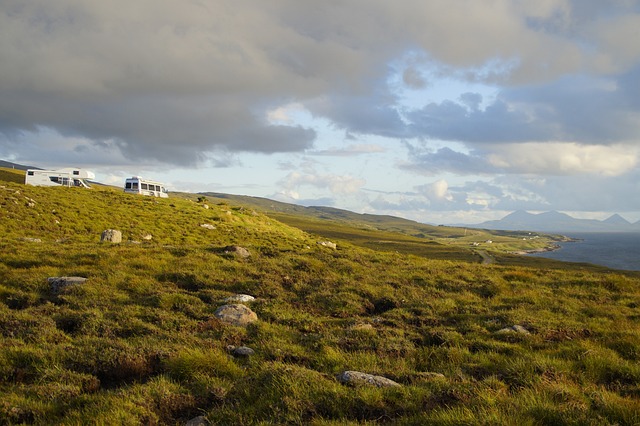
554, 221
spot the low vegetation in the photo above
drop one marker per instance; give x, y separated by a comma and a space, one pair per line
138, 342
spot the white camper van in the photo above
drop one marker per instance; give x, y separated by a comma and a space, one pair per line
138, 185
63, 177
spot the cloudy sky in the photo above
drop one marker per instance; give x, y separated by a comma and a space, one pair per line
442, 111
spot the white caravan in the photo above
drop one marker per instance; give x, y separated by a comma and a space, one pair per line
63, 177
138, 185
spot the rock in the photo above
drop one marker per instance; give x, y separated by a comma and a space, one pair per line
328, 244
240, 251
241, 351
58, 283
208, 226
32, 240
205, 206
239, 298
197, 421
235, 314
147, 237
362, 326
514, 329
112, 236
357, 378
429, 375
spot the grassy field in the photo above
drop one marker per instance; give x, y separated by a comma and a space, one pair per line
138, 342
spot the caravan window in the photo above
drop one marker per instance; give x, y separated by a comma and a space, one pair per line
143, 185
30, 173
76, 172
127, 185
135, 185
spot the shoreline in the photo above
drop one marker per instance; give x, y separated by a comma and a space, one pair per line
551, 247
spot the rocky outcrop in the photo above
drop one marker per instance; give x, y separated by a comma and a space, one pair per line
236, 314
111, 236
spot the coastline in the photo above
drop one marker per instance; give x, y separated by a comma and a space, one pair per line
552, 247
549, 248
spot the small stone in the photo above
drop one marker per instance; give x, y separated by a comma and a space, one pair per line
112, 236
242, 352
208, 226
197, 421
235, 314
362, 326
147, 237
328, 244
514, 329
357, 378
430, 375
239, 298
32, 240
240, 251
205, 206
58, 283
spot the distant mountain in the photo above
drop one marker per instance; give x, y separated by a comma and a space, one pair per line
557, 222
10, 165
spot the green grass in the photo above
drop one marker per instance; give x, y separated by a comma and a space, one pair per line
138, 342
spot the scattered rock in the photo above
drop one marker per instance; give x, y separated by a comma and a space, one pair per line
112, 236
240, 251
58, 283
32, 240
235, 314
514, 329
241, 351
429, 375
328, 244
147, 237
357, 378
362, 326
239, 298
198, 421
208, 226
205, 206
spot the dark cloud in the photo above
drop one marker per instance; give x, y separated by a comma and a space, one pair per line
429, 162
376, 114
178, 81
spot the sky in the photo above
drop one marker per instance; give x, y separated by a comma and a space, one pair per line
440, 111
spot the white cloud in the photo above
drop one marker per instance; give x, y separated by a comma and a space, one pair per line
350, 150
437, 191
561, 158
336, 184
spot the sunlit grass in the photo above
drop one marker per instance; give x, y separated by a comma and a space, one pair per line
138, 342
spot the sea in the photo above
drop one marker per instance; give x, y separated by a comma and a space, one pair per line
618, 250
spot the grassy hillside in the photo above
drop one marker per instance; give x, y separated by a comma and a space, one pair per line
393, 233
11, 175
138, 342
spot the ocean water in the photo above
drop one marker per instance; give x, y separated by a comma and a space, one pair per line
617, 250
